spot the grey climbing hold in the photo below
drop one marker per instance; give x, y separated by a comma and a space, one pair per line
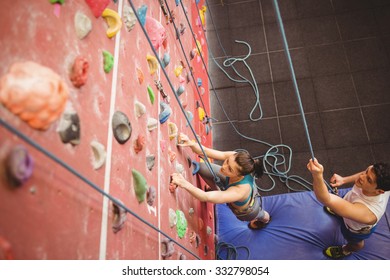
151, 195
167, 248
82, 24
119, 217
150, 161
121, 127
69, 128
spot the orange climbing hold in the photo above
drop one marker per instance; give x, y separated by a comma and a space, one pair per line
34, 93
114, 22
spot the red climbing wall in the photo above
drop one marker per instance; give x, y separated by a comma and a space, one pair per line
54, 214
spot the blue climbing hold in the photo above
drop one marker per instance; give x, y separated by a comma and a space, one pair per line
165, 59
142, 14
180, 90
165, 112
199, 82
196, 167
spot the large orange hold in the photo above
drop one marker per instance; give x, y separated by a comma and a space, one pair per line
34, 93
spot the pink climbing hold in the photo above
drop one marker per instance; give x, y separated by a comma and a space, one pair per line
156, 32
97, 6
79, 72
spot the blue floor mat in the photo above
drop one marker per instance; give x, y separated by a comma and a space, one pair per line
300, 229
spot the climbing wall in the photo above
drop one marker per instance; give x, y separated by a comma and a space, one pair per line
83, 83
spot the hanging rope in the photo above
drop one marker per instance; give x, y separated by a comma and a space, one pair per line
292, 72
85, 180
272, 159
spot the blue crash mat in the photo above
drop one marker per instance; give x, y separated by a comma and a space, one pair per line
300, 229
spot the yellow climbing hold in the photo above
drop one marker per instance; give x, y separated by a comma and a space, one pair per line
152, 63
202, 11
201, 113
178, 70
113, 20
199, 47
172, 130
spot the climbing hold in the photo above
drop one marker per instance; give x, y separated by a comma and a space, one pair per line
140, 186
161, 90
99, 154
121, 127
199, 82
201, 113
181, 224
202, 11
82, 25
165, 59
151, 94
140, 109
6, 252
152, 63
97, 6
171, 155
200, 224
190, 116
151, 195
182, 257
78, 76
113, 20
192, 237
209, 231
179, 167
108, 61
197, 241
172, 187
196, 167
142, 14
129, 17
119, 217
57, 1
167, 248
191, 211
172, 217
172, 130
180, 90
162, 145
182, 29
34, 93
140, 76
156, 32
198, 47
177, 2
165, 112
19, 165
150, 161
206, 249
193, 53
182, 80
139, 144
69, 127
178, 70
152, 124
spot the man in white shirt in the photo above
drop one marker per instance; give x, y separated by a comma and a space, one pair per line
361, 208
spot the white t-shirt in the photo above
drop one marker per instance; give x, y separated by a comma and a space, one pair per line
377, 205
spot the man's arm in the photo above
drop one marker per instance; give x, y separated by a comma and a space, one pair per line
354, 211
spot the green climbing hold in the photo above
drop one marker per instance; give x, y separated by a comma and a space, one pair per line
151, 94
140, 186
57, 1
108, 61
181, 223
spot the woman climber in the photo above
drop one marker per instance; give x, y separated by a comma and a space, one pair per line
236, 174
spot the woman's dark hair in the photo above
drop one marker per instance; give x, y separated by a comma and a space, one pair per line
382, 174
248, 165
